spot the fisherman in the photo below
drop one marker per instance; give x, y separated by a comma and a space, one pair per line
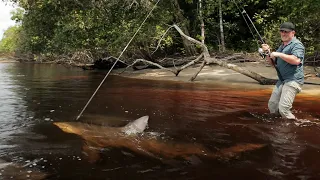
288, 59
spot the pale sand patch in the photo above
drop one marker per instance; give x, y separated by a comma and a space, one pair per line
219, 76
218, 73
8, 61
314, 92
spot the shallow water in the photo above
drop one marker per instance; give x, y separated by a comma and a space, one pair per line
187, 115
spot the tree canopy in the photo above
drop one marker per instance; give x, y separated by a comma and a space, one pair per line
55, 27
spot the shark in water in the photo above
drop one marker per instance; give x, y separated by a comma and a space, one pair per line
130, 137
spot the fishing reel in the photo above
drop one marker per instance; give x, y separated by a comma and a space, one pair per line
263, 53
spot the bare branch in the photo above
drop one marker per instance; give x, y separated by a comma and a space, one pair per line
204, 47
196, 74
152, 63
191, 63
111, 57
209, 60
161, 39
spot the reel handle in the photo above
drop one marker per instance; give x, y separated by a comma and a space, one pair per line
263, 53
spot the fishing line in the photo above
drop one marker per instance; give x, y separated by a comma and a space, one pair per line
117, 60
262, 53
254, 36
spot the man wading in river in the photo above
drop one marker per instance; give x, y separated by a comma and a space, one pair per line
288, 59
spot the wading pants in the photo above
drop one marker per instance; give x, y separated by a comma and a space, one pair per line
282, 98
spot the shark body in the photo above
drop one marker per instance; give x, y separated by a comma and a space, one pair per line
97, 137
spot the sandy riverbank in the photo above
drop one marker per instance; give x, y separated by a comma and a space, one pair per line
7, 60
216, 75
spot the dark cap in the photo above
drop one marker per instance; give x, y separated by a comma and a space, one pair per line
287, 26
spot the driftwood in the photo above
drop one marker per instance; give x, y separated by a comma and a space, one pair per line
175, 71
314, 63
235, 58
207, 60
314, 60
165, 62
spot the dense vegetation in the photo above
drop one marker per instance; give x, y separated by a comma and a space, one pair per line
104, 27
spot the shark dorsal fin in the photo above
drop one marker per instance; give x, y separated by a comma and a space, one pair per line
136, 126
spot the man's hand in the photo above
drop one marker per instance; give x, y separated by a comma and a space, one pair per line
274, 55
265, 47
291, 59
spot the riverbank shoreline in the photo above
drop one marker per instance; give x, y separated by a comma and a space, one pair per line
215, 75
212, 75
5, 59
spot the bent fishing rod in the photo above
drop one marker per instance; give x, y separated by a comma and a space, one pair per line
260, 50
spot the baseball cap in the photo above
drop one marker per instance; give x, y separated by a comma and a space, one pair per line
287, 26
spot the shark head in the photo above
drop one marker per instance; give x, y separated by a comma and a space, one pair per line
137, 126
67, 127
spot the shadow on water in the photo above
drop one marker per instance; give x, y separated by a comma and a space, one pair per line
195, 131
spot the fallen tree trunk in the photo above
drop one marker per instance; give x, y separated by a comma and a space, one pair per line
208, 60
175, 71
262, 80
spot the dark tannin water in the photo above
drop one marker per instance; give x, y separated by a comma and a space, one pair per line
233, 125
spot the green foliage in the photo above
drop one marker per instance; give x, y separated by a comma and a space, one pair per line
63, 27
17, 15
10, 40
304, 14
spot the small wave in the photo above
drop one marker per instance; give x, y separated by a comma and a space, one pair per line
306, 122
5, 146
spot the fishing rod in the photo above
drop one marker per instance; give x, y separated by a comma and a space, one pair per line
260, 50
244, 12
262, 53
117, 60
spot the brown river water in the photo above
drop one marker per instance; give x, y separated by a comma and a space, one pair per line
230, 126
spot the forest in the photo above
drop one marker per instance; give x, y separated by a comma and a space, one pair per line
87, 30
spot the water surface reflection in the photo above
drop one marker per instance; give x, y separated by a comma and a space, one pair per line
217, 119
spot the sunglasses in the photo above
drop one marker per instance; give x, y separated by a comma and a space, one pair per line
283, 31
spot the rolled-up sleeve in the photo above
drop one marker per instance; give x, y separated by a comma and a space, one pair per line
298, 51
